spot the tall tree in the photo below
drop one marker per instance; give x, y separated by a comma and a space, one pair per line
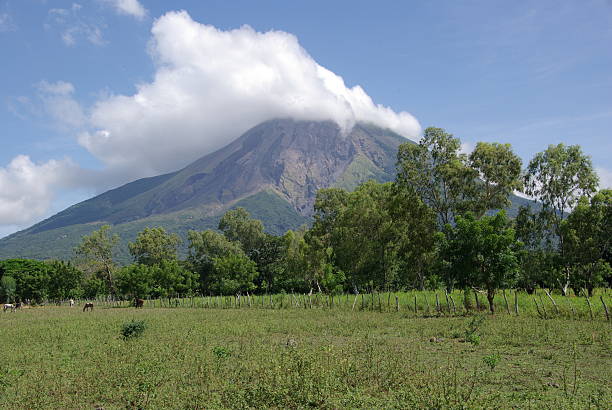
538, 256
65, 281
558, 177
437, 172
96, 251
499, 174
237, 225
154, 245
587, 241
480, 253
204, 246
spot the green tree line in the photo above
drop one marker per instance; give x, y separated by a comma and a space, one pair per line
440, 223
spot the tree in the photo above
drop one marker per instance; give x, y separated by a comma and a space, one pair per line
557, 178
135, 280
154, 245
372, 236
65, 281
31, 278
499, 174
8, 288
96, 250
233, 273
204, 246
538, 256
480, 253
238, 226
587, 240
437, 172
171, 277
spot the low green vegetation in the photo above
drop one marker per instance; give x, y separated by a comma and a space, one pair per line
298, 358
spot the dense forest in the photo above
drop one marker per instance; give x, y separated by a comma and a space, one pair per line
437, 225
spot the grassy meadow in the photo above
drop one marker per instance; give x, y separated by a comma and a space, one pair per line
61, 357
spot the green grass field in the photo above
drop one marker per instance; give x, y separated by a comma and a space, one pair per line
61, 357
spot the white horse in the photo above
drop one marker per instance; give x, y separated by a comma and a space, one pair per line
71, 302
9, 306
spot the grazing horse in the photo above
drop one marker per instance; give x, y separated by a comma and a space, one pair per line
138, 303
9, 306
88, 305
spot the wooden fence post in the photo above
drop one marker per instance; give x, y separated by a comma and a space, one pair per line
516, 307
552, 300
589, 303
605, 307
506, 300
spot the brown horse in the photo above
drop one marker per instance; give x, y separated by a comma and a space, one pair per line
88, 305
138, 303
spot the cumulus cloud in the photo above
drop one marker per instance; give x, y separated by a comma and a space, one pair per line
209, 87
212, 85
27, 188
128, 7
72, 26
605, 178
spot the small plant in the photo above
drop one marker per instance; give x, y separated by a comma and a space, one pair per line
222, 352
491, 360
132, 329
471, 330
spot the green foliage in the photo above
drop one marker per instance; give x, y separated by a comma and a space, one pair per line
65, 281
31, 277
135, 280
237, 226
153, 246
452, 183
587, 245
371, 234
204, 246
233, 274
133, 329
480, 253
221, 352
472, 329
558, 177
499, 174
491, 360
95, 254
8, 288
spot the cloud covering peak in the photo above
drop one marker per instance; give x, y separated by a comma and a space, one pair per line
212, 85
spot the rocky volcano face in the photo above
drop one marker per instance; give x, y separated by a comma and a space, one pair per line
274, 170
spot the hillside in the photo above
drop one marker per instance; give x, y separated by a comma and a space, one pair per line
273, 170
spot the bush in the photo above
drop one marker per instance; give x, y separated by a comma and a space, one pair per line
132, 329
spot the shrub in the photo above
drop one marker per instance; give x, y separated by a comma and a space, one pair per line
132, 329
491, 360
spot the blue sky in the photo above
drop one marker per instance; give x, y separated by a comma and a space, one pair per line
88, 88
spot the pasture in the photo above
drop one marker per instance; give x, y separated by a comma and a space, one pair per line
62, 357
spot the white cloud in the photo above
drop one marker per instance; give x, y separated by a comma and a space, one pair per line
27, 188
128, 7
59, 103
73, 26
605, 178
209, 87
212, 85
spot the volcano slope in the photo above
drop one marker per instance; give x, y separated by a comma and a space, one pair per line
273, 170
